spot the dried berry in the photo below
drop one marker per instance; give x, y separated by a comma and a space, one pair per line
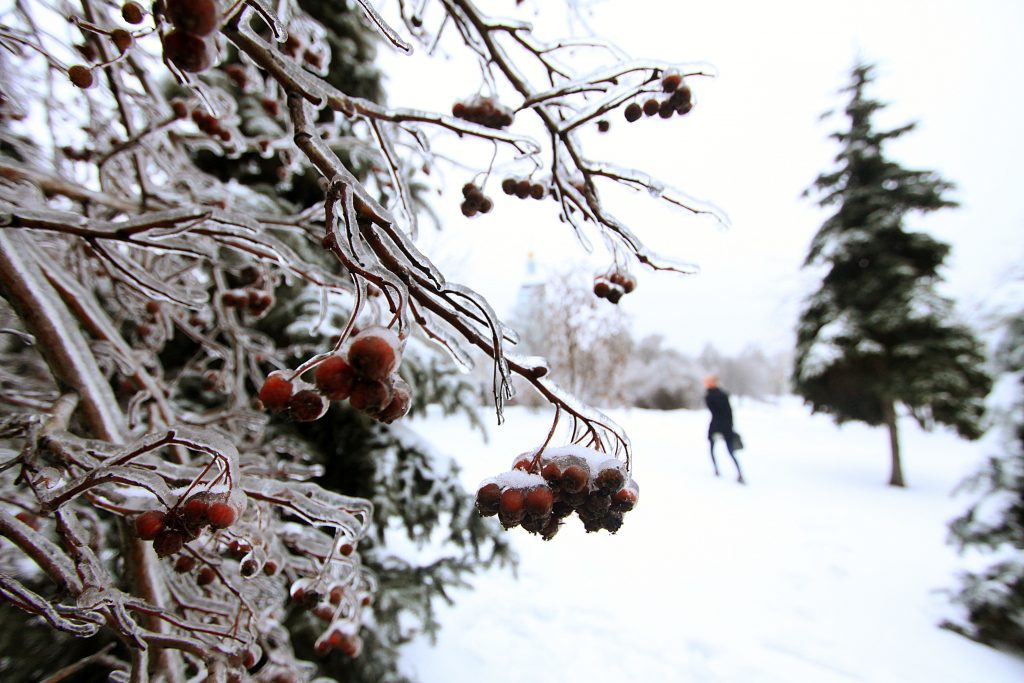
603, 126
538, 191
666, 109
335, 378
651, 107
508, 186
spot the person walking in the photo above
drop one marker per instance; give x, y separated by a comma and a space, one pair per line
721, 423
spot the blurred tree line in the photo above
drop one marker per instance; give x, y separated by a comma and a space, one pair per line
592, 352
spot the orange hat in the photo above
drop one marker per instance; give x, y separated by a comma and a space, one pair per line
710, 381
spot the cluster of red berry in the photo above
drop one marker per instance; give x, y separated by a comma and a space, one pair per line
474, 201
171, 530
189, 44
613, 286
342, 634
523, 188
679, 100
485, 111
366, 376
570, 479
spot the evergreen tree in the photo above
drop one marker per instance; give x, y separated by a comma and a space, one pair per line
876, 334
994, 524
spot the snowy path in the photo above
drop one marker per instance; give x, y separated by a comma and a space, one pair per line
815, 572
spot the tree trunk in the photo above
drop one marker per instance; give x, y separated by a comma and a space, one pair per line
896, 475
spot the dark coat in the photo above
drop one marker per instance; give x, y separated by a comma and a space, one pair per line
721, 412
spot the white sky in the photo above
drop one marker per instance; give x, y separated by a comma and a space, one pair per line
754, 142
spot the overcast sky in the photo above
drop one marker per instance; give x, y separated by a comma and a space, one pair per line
754, 142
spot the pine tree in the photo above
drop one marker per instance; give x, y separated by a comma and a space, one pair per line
204, 205
876, 334
994, 524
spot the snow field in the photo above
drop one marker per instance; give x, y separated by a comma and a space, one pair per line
816, 571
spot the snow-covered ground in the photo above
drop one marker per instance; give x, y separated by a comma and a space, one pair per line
816, 571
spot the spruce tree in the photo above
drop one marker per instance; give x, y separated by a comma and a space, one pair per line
876, 335
994, 523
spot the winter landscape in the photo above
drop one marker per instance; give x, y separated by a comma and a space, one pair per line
266, 267
815, 572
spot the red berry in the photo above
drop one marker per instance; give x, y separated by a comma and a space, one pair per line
270, 568
306, 406
371, 396
610, 479
81, 76
149, 524
670, 81
206, 576
512, 502
346, 549
628, 284
508, 186
220, 515
335, 378
185, 564
187, 51
523, 463
633, 112
374, 353
574, 479
539, 501
651, 107
276, 393
666, 109
199, 17
132, 13
683, 97
168, 542
624, 499
399, 405
551, 472
122, 39
601, 289
488, 499
336, 594
195, 510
